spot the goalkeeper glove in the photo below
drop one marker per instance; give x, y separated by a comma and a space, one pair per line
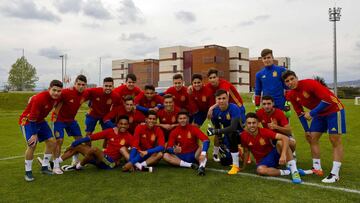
212, 131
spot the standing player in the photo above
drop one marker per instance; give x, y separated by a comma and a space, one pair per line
148, 100
35, 129
268, 81
327, 114
227, 115
148, 143
274, 119
70, 102
203, 98
167, 115
182, 149
129, 87
259, 142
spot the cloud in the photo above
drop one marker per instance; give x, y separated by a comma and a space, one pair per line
185, 16
129, 13
254, 20
92, 25
95, 9
51, 52
68, 6
27, 9
139, 36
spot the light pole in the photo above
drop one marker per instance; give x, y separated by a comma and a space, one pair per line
62, 68
334, 15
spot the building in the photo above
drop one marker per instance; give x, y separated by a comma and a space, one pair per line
146, 71
232, 63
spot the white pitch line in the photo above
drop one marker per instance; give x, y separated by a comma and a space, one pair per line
16, 157
289, 181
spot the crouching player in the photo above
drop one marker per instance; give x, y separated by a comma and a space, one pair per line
258, 142
183, 150
118, 139
148, 144
35, 129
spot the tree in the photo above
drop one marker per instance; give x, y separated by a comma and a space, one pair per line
22, 75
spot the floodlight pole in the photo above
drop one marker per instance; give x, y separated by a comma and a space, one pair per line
334, 15
62, 68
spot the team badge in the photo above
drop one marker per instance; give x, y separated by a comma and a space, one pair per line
71, 101
262, 141
57, 134
297, 99
153, 137
122, 142
109, 101
131, 119
306, 95
228, 117
189, 135
164, 119
173, 119
182, 98
143, 136
97, 99
203, 99
275, 74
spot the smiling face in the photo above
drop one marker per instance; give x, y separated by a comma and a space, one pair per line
130, 84
291, 81
268, 59
129, 105
178, 84
108, 87
182, 120
268, 105
169, 104
222, 101
197, 84
80, 86
214, 80
252, 125
151, 120
123, 125
55, 92
149, 94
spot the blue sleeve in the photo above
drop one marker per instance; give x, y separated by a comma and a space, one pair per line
170, 150
235, 111
242, 114
155, 150
109, 124
160, 106
258, 86
304, 123
79, 141
205, 145
321, 106
161, 94
142, 109
33, 128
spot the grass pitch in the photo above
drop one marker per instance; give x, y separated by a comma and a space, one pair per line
169, 183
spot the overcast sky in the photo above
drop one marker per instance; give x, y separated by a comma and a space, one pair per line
88, 29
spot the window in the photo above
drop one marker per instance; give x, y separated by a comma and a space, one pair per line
219, 59
240, 67
174, 68
122, 66
239, 55
174, 56
240, 80
207, 59
122, 76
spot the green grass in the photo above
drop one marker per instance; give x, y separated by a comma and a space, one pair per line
169, 183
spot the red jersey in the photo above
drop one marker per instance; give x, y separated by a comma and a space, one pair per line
100, 102
278, 116
123, 91
259, 145
38, 108
234, 96
309, 93
204, 98
135, 117
115, 140
166, 117
182, 99
71, 101
146, 138
187, 138
143, 101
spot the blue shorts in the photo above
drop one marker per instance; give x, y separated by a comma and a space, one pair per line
138, 158
333, 123
200, 117
102, 165
43, 131
72, 129
91, 122
271, 159
188, 157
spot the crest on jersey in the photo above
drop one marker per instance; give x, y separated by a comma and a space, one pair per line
182, 98
153, 137
109, 101
122, 142
275, 74
164, 119
262, 141
203, 99
57, 134
297, 99
228, 117
189, 135
71, 101
173, 119
306, 95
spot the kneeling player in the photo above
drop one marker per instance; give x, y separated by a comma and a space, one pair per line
148, 144
268, 157
182, 149
118, 139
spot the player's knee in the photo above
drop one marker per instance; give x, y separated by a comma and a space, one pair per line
261, 170
159, 155
166, 156
59, 141
335, 140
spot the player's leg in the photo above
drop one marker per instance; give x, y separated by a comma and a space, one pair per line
202, 161
82, 149
216, 149
291, 162
29, 152
317, 128
234, 150
153, 159
74, 130
45, 134
125, 153
182, 160
59, 135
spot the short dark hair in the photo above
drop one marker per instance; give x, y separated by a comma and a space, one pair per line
252, 115
149, 87
177, 76
108, 79
265, 52
122, 117
220, 92
151, 112
288, 73
196, 76
182, 112
268, 97
132, 76
212, 71
128, 98
56, 83
167, 96
81, 78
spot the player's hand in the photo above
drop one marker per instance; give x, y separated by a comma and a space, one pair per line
190, 89
257, 108
307, 116
210, 131
282, 160
156, 109
202, 158
32, 141
143, 153
177, 149
273, 125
